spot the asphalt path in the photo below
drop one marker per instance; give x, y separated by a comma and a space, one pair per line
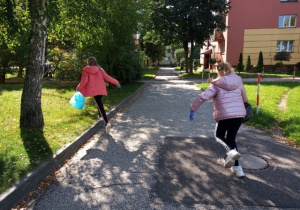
155, 158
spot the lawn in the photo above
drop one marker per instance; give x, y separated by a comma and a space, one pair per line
270, 114
22, 150
198, 74
149, 72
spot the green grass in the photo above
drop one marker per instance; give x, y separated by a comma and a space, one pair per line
269, 114
198, 74
22, 150
149, 72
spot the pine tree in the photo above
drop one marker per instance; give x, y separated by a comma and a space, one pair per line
248, 64
240, 66
260, 63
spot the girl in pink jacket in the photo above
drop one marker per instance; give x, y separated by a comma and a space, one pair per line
228, 94
92, 84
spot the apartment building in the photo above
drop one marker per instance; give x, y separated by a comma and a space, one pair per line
269, 26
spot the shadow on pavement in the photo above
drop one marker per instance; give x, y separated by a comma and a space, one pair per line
190, 173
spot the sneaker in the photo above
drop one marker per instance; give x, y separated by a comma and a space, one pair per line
107, 128
238, 171
231, 157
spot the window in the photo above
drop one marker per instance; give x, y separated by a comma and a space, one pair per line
284, 46
287, 21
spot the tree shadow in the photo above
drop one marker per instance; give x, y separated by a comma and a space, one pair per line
6, 171
36, 145
190, 174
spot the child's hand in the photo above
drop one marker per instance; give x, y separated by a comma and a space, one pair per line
209, 80
119, 86
191, 115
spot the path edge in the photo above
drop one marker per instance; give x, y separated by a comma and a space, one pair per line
32, 180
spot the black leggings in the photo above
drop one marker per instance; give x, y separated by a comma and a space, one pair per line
226, 131
101, 111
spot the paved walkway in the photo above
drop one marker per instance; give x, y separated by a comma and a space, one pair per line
155, 158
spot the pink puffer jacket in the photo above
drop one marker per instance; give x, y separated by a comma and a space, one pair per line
229, 95
93, 81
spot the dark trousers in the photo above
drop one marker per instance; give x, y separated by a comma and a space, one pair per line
101, 111
226, 131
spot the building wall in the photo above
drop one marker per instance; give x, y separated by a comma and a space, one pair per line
265, 40
247, 15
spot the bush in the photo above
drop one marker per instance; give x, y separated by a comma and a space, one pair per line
248, 64
212, 61
290, 69
279, 64
69, 68
298, 66
282, 56
240, 66
260, 63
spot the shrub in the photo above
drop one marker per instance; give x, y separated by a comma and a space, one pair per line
279, 64
69, 68
248, 64
240, 66
298, 65
282, 56
212, 61
260, 62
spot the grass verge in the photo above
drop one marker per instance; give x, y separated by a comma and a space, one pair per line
22, 150
270, 114
198, 74
149, 72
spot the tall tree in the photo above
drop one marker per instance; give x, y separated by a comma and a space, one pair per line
248, 64
31, 109
14, 33
152, 44
260, 62
179, 54
189, 22
102, 28
240, 66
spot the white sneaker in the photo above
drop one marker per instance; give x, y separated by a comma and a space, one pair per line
107, 128
231, 157
238, 171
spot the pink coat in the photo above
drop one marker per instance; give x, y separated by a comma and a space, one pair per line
228, 94
93, 81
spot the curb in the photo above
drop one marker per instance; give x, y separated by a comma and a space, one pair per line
32, 180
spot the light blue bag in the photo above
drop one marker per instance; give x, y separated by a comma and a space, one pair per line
77, 100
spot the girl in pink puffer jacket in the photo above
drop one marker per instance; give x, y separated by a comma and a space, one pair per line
228, 94
92, 84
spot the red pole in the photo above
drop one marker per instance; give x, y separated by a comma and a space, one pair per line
202, 74
258, 88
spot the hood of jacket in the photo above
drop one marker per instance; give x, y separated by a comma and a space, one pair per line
91, 69
228, 82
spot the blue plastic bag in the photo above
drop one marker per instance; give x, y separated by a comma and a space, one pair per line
77, 100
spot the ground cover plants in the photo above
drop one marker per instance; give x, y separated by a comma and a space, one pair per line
22, 150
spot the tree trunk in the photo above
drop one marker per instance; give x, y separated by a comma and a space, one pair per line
20, 72
191, 58
186, 55
2, 78
31, 107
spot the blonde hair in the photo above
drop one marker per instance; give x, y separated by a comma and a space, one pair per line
91, 61
225, 68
